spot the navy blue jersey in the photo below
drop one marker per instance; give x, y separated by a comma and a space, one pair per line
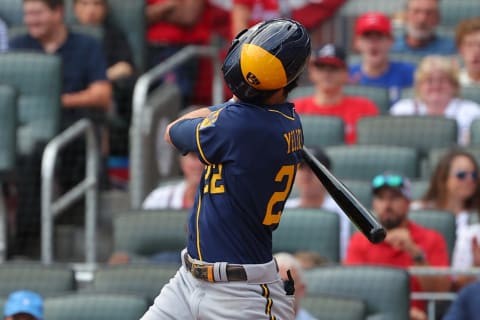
251, 155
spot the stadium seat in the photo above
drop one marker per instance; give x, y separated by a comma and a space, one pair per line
46, 280
39, 102
384, 290
420, 132
475, 133
470, 93
380, 96
363, 162
95, 307
361, 190
452, 12
144, 280
334, 308
309, 230
439, 220
11, 11
300, 92
150, 232
322, 130
8, 127
419, 187
435, 155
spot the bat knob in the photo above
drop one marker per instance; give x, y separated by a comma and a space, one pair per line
377, 235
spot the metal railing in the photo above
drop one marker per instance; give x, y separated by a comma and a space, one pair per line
51, 207
142, 117
433, 297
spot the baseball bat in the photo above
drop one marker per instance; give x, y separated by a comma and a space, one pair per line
358, 214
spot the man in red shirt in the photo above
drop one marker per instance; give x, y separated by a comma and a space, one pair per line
328, 72
407, 243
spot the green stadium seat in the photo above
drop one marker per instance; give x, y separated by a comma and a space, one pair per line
309, 230
323, 130
385, 291
150, 232
334, 308
94, 307
46, 280
380, 96
420, 132
452, 12
11, 11
39, 102
475, 133
470, 93
300, 92
363, 162
435, 155
145, 280
8, 125
419, 187
439, 220
361, 190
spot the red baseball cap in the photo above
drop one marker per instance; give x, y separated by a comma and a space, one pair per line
373, 21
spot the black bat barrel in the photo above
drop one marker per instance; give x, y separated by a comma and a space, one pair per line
358, 214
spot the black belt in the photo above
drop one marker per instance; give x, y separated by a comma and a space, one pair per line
205, 271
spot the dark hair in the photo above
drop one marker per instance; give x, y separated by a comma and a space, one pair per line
437, 190
52, 4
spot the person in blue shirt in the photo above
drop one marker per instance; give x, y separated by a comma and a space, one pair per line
373, 40
23, 305
466, 305
419, 37
251, 146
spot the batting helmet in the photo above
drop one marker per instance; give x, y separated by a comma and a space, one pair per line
265, 58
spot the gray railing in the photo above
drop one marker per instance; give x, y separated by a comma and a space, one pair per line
433, 297
142, 117
52, 207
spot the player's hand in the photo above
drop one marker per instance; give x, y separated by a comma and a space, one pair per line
400, 239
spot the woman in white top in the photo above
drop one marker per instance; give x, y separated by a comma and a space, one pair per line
455, 187
437, 90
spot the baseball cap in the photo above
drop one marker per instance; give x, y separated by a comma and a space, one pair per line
329, 54
24, 301
392, 181
373, 21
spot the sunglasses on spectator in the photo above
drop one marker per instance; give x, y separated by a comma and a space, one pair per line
462, 175
393, 181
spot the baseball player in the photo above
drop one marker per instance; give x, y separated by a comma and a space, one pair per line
251, 147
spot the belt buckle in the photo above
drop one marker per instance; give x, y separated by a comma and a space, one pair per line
203, 272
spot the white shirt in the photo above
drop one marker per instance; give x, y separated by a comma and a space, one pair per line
166, 197
462, 253
465, 79
463, 111
330, 205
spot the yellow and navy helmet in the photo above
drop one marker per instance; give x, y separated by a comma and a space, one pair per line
266, 57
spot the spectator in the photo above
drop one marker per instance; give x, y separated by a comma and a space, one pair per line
312, 194
286, 264
373, 40
407, 244
437, 94
467, 38
466, 253
180, 195
86, 92
421, 20
310, 259
23, 305
246, 13
172, 25
466, 305
3, 36
328, 72
115, 44
454, 187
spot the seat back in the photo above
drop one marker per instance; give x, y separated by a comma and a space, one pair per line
322, 130
11, 11
363, 162
475, 133
95, 307
309, 230
46, 280
334, 308
8, 127
39, 102
144, 280
385, 290
435, 155
361, 189
420, 132
379, 96
439, 220
150, 232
